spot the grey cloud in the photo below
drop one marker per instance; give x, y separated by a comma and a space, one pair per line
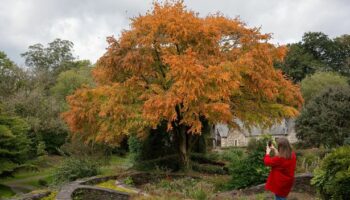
87, 23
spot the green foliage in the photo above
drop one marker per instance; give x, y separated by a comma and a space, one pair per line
325, 119
332, 178
6, 192
42, 182
317, 52
232, 155
128, 181
52, 196
135, 148
42, 114
68, 81
111, 185
34, 101
299, 63
347, 141
249, 170
313, 85
75, 168
12, 78
14, 143
159, 149
184, 188
154, 150
209, 168
50, 58
309, 159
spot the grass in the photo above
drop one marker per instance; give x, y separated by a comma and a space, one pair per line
5, 191
28, 180
52, 196
116, 165
183, 188
111, 185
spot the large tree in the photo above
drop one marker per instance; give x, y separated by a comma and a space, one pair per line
12, 77
14, 143
50, 58
325, 119
46, 63
177, 68
317, 52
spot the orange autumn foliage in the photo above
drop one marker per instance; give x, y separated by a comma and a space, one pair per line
177, 67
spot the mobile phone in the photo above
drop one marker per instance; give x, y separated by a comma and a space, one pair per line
270, 143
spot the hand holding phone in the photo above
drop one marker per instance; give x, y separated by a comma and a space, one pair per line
270, 143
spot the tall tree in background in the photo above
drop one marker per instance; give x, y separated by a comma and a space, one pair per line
12, 77
176, 68
40, 102
46, 63
317, 52
49, 58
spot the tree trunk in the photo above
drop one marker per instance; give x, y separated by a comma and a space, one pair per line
183, 148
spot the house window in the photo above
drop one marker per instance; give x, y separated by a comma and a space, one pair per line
236, 143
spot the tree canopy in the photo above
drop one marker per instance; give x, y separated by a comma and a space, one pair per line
49, 58
14, 143
175, 67
325, 119
11, 76
313, 85
317, 52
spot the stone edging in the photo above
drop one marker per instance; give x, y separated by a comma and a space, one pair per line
67, 191
302, 183
32, 196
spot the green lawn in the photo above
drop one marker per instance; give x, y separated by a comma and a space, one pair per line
116, 164
27, 180
5, 191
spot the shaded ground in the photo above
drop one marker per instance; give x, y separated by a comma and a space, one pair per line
26, 181
266, 196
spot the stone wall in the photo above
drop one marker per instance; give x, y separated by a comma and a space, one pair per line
234, 138
92, 193
301, 184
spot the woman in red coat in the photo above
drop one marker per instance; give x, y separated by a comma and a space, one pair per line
281, 177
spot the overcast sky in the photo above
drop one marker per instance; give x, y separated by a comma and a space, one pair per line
88, 22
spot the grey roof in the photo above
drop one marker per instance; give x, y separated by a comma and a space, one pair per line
221, 129
282, 128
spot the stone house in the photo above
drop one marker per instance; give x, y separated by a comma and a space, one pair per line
223, 136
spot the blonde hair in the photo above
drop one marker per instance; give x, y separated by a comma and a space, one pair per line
284, 148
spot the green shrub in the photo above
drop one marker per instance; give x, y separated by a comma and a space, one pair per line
159, 148
232, 155
332, 178
309, 159
42, 182
347, 141
324, 121
75, 168
249, 170
209, 169
129, 181
154, 150
183, 188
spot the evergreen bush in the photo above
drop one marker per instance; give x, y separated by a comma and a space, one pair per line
332, 178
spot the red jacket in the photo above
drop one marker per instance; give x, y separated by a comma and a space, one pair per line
281, 177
